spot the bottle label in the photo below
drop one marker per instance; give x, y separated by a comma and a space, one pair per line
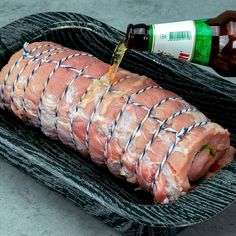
186, 40
203, 42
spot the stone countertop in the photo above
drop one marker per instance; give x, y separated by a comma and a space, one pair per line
29, 208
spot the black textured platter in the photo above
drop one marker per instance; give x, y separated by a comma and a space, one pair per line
95, 190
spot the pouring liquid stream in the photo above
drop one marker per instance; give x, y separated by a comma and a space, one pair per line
116, 59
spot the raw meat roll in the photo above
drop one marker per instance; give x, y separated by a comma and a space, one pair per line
140, 131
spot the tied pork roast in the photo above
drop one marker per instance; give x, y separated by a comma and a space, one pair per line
140, 131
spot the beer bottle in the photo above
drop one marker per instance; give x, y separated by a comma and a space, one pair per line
210, 42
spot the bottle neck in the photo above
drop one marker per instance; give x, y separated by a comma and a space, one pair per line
138, 37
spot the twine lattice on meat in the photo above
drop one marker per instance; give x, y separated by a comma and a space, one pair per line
162, 124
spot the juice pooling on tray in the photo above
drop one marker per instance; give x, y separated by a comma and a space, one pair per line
210, 42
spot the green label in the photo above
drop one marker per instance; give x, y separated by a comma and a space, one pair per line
151, 38
202, 50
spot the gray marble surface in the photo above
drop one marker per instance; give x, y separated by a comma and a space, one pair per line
28, 208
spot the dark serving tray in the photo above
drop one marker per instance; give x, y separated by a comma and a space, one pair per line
93, 189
